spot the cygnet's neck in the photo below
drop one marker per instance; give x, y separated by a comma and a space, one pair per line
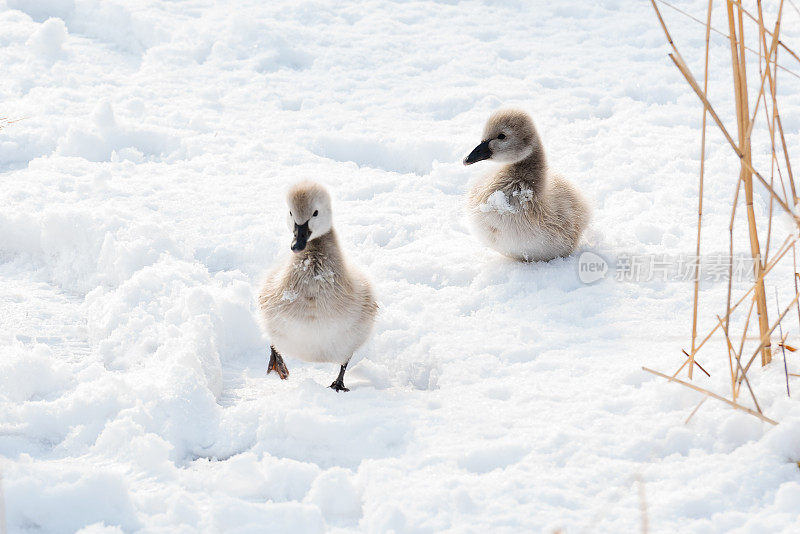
324, 249
531, 169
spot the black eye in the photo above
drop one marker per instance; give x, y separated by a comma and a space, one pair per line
501, 136
290, 214
316, 212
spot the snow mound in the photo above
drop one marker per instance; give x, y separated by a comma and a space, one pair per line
106, 20
78, 250
71, 498
44, 9
104, 139
49, 38
395, 155
336, 495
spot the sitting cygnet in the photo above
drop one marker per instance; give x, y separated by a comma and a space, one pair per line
315, 305
523, 210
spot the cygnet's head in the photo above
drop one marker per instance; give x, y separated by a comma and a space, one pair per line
310, 214
509, 136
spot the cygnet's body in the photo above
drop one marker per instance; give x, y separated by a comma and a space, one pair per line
315, 306
523, 210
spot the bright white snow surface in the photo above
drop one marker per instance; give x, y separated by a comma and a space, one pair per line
142, 202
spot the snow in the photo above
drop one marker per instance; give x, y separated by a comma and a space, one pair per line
49, 38
143, 200
498, 202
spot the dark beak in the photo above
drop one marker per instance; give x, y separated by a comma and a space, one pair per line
480, 153
301, 233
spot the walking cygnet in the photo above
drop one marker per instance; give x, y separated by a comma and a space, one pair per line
523, 210
316, 306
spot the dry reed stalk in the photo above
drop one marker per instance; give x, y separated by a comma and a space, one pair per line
723, 34
786, 155
730, 277
697, 364
693, 83
765, 337
787, 244
739, 368
773, 80
790, 240
796, 275
782, 345
774, 164
753, 18
704, 399
4, 121
772, 161
762, 43
700, 195
730, 270
713, 395
745, 175
748, 175
735, 374
687, 74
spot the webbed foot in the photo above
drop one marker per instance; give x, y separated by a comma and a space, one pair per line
338, 384
276, 364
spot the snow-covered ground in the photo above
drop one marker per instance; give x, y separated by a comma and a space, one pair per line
142, 200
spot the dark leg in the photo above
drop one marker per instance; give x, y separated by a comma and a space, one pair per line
276, 364
338, 384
